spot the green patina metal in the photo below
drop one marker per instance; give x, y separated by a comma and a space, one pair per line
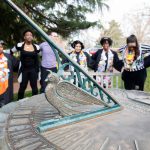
88, 84
53, 123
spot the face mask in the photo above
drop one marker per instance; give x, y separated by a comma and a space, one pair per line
132, 48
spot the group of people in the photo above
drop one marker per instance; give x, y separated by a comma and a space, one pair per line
28, 66
132, 65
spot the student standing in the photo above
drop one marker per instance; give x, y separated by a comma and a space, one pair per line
6, 76
134, 73
48, 61
105, 60
29, 65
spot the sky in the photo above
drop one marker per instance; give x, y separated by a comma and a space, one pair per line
118, 11
119, 8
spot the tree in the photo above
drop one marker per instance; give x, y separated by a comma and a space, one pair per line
138, 22
141, 28
61, 16
115, 33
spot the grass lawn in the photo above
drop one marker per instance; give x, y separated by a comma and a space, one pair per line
27, 94
147, 82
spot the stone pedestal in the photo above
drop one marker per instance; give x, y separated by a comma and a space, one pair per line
128, 129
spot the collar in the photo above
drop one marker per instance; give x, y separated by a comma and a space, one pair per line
109, 50
110, 54
74, 52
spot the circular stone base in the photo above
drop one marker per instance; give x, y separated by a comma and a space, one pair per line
127, 129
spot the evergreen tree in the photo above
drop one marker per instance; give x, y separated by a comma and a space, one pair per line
61, 16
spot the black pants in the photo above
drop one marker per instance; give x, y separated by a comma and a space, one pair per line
147, 61
134, 80
44, 74
4, 98
28, 75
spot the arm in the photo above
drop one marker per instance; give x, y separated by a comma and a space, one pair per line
38, 48
16, 48
117, 63
87, 57
147, 61
94, 56
65, 60
40, 53
14, 62
121, 49
145, 48
93, 61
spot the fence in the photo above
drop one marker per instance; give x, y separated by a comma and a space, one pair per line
115, 80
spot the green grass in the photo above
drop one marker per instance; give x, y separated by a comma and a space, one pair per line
120, 82
27, 94
146, 86
147, 82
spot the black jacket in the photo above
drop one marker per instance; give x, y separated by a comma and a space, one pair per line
147, 61
8, 95
117, 64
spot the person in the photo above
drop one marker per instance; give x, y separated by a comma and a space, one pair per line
7, 64
48, 61
134, 73
29, 65
78, 55
105, 60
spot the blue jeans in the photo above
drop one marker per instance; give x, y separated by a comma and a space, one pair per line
44, 74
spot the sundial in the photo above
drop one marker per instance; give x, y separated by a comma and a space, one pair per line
127, 129
75, 117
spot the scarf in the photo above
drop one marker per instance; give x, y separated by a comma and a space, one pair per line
106, 62
4, 73
130, 63
129, 58
80, 58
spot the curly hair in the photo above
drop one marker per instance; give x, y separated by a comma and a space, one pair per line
73, 45
28, 30
106, 39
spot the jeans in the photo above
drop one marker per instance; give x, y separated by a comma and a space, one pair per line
44, 74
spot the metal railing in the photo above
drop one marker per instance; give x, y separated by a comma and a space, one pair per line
100, 92
115, 79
